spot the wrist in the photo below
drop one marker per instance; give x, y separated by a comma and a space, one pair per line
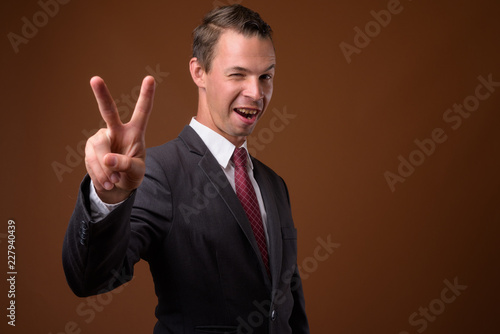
113, 196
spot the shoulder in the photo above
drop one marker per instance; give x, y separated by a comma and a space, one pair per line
166, 156
177, 155
268, 172
263, 168
157, 152
271, 179
187, 145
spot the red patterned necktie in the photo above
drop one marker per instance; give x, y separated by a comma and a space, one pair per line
246, 194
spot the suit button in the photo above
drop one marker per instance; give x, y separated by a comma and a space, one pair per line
83, 233
273, 315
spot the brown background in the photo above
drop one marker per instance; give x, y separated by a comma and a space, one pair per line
351, 123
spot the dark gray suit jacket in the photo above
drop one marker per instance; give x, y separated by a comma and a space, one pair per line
187, 222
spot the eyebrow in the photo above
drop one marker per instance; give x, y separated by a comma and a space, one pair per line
242, 69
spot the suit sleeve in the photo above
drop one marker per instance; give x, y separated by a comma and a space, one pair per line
98, 257
298, 320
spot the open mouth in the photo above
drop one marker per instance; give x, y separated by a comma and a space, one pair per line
247, 113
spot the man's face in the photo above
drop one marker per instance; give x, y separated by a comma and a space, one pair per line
238, 86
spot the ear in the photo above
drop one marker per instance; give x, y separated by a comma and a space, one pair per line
197, 72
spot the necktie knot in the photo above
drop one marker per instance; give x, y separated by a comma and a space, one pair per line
240, 157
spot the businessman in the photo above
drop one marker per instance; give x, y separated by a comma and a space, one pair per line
214, 223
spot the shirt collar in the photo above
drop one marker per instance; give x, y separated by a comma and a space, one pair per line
221, 148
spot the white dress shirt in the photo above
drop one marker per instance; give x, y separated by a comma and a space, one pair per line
221, 149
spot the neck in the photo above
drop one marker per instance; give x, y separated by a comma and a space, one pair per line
203, 117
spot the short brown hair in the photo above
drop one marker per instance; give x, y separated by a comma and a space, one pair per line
236, 17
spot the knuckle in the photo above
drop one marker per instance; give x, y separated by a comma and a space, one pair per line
90, 159
99, 138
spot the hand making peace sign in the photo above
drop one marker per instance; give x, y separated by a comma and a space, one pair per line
114, 156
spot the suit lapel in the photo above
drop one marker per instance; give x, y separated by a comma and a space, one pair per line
218, 178
273, 227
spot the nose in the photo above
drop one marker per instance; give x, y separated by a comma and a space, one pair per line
254, 89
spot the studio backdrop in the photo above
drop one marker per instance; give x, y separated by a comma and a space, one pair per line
383, 123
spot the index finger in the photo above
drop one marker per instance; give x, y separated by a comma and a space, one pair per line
107, 106
144, 104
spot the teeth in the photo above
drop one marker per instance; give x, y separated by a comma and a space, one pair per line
247, 111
